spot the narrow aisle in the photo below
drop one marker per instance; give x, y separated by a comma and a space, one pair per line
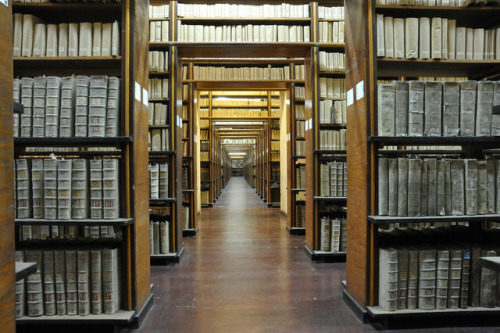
244, 273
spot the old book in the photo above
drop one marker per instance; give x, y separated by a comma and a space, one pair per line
37, 176
444, 38
49, 297
432, 106
67, 107
325, 234
424, 34
414, 186
39, 102
34, 285
60, 281
154, 180
447, 187
469, 43
389, 36
388, 279
475, 277
83, 278
413, 264
64, 181
79, 189
482, 179
335, 235
465, 278
393, 187
412, 37
436, 38
457, 174
424, 188
403, 265
96, 39
52, 106
98, 92
115, 39
106, 32
495, 118
468, 93
16, 98
401, 108
490, 187
17, 39
73, 33
383, 186
451, 108
452, 36
484, 108
164, 183
324, 180
488, 285
50, 182
479, 44
461, 37
96, 189
110, 280
82, 105
380, 36
164, 237
399, 37
52, 40
402, 187
386, 109
427, 279
95, 281
111, 189
416, 108
113, 107
20, 289
440, 188
27, 101
454, 277
71, 282
63, 40
23, 187
431, 186
28, 32
85, 40
471, 182
442, 277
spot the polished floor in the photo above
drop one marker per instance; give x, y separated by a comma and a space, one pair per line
243, 273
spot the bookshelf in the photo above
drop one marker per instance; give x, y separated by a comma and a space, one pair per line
164, 149
112, 217
373, 229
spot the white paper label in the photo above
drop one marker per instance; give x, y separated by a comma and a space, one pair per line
194, 138
145, 97
310, 123
360, 90
138, 91
350, 97
5, 2
307, 126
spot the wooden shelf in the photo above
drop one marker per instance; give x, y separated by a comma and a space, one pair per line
429, 219
70, 12
159, 74
245, 20
162, 200
324, 152
243, 49
338, 200
434, 140
378, 312
121, 317
165, 152
67, 66
158, 100
73, 141
82, 222
332, 46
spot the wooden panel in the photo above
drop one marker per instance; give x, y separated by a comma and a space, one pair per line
140, 199
310, 143
243, 50
357, 157
176, 71
7, 268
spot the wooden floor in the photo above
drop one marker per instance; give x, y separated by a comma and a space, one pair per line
244, 273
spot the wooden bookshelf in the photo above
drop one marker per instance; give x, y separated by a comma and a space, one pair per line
369, 231
129, 147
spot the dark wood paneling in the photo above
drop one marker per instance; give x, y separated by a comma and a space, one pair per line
7, 269
310, 144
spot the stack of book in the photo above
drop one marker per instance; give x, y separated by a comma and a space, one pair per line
333, 179
333, 235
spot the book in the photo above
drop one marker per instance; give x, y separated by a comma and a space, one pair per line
49, 297
468, 93
431, 186
50, 183
27, 101
427, 279
389, 36
96, 281
63, 40
73, 39
154, 170
386, 109
436, 38
402, 187
79, 189
20, 289
423, 188
335, 235
484, 108
98, 90
52, 33
60, 281
96, 39
457, 174
414, 186
440, 188
454, 279
82, 105
106, 37
52, 106
401, 108
37, 176
424, 38
471, 180
96, 189
482, 187
433, 96
67, 107
451, 108
83, 278
388, 279
393, 187
475, 277
115, 39
39, 102
85, 39
488, 284
325, 234
113, 107
71, 282
17, 39
416, 108
110, 280
28, 32
442, 278
64, 192
403, 265
23, 189
165, 237
34, 285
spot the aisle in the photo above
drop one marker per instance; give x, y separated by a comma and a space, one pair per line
244, 273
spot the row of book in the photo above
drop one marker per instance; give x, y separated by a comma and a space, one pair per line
159, 233
331, 32
434, 38
158, 180
333, 179
300, 112
45, 232
159, 88
67, 107
67, 189
333, 235
333, 139
157, 114
300, 177
241, 73
284, 10
159, 11
244, 33
158, 61
204, 134
429, 277
331, 61
159, 139
300, 148
333, 13
438, 3
235, 113
331, 87
438, 187
70, 282
433, 108
275, 134
300, 128
300, 216
159, 31
275, 156
332, 112
300, 92
205, 156
275, 146
33, 38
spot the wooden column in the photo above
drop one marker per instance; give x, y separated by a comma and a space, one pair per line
7, 261
310, 135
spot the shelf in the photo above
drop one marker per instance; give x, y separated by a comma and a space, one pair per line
474, 69
120, 317
82, 222
24, 269
429, 219
332, 46
165, 259
162, 200
67, 65
422, 152
338, 200
158, 100
165, 152
69, 12
245, 20
324, 152
83, 154
298, 157
296, 231
231, 61
298, 189
159, 74
378, 312
159, 126
332, 126
325, 256
73, 141
241, 84
492, 263
434, 140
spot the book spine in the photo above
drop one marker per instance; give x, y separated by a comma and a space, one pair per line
60, 281
79, 189
111, 189
71, 282
34, 285
96, 281
82, 105
39, 102
96, 189
50, 182
388, 279
98, 93
113, 107
110, 280
52, 106
64, 180
83, 266
49, 298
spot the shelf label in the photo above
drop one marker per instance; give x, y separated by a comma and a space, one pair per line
194, 138
350, 97
5, 2
145, 97
137, 91
307, 125
360, 90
